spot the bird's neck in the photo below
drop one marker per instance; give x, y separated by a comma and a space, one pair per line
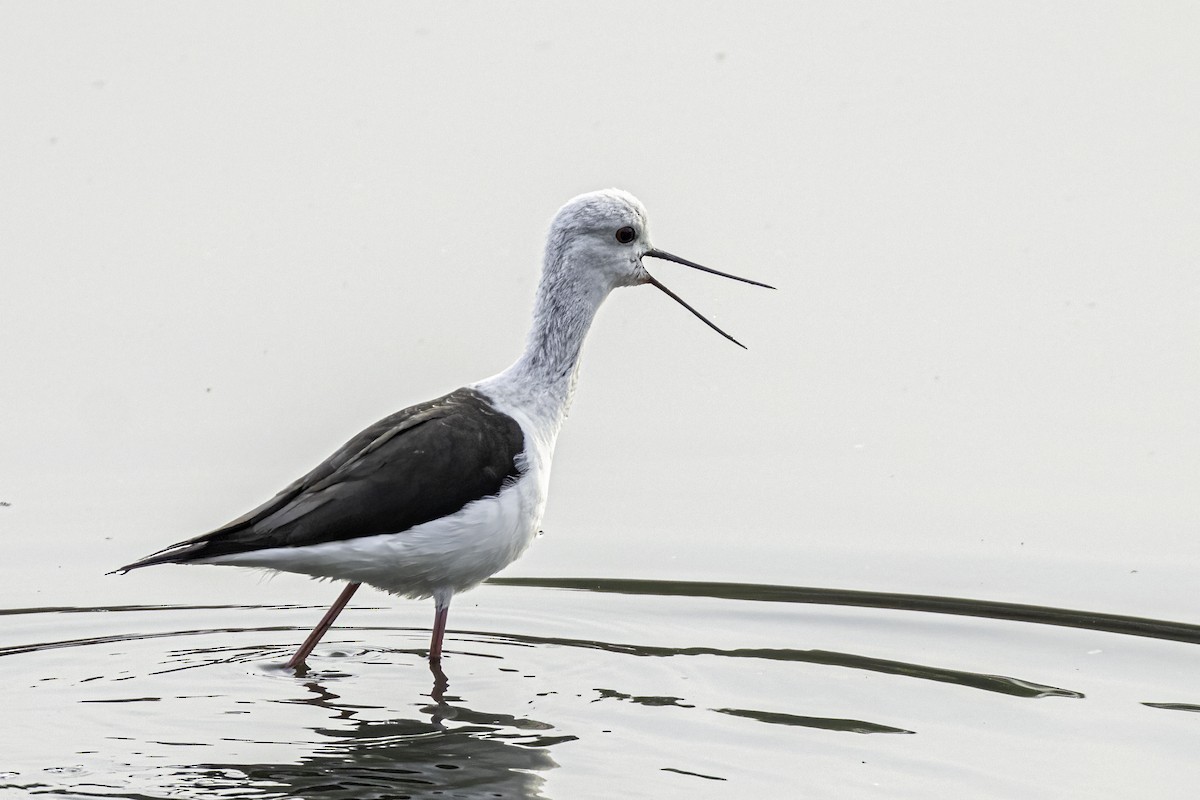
542, 381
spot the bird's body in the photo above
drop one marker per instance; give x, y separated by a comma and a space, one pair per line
468, 504
435, 498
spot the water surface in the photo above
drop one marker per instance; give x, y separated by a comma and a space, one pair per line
647, 688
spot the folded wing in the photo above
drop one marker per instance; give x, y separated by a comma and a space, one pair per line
419, 464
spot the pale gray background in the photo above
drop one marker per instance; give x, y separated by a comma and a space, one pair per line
233, 234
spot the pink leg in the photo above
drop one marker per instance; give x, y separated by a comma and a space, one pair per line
439, 631
326, 621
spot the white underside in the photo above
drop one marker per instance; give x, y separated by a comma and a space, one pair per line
438, 558
446, 555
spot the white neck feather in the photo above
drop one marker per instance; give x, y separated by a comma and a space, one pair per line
542, 381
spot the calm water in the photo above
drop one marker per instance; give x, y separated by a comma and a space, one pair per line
643, 688
233, 234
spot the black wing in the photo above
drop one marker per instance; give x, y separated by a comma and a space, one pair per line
416, 465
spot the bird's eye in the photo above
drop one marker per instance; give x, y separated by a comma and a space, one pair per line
626, 235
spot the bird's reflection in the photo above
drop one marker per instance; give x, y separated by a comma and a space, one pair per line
450, 750
440, 682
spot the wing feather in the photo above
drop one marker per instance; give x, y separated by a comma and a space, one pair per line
416, 465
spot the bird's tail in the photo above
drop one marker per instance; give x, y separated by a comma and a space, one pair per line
175, 554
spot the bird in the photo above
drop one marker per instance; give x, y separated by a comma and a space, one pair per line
432, 500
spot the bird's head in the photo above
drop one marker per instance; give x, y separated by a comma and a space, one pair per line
600, 239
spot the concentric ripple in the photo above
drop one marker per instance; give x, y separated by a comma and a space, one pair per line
554, 687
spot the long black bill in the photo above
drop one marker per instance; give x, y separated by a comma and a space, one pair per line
665, 256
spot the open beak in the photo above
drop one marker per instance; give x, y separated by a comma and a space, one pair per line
668, 257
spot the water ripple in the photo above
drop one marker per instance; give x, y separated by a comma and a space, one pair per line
991, 609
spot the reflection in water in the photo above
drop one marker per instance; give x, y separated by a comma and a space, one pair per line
483, 755
437, 746
396, 759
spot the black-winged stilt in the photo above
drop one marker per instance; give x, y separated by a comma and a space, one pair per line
434, 499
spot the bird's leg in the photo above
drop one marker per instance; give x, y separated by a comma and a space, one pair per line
322, 626
442, 606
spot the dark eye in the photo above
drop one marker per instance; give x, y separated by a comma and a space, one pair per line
626, 235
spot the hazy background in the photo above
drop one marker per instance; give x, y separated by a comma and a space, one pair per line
231, 235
